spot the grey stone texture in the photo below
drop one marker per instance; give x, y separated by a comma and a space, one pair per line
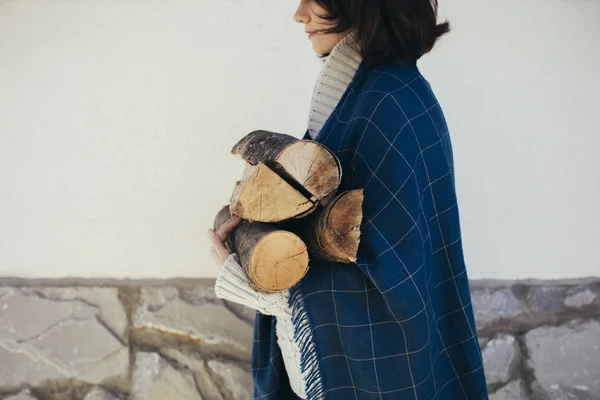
580, 298
45, 334
154, 341
156, 379
21, 396
499, 357
493, 304
183, 312
100, 394
237, 380
567, 357
512, 391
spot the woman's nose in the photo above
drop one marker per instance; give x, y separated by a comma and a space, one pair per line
301, 15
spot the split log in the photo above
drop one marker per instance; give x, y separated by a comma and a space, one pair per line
273, 259
264, 196
307, 165
333, 232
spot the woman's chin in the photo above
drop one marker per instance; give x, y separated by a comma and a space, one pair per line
319, 51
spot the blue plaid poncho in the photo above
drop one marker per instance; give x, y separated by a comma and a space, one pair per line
399, 323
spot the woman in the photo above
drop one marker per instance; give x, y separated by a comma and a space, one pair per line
397, 324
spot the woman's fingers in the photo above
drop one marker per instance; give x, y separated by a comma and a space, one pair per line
228, 227
221, 252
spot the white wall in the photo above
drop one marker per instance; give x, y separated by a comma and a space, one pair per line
116, 118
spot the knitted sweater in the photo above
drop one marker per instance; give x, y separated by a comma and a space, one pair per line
232, 284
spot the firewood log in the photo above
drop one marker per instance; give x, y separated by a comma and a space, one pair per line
333, 233
263, 196
273, 259
310, 167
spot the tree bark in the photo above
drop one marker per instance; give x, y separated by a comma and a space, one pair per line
308, 166
273, 259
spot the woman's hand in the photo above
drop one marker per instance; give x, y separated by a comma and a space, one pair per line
218, 251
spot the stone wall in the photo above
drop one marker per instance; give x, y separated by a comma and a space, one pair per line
176, 340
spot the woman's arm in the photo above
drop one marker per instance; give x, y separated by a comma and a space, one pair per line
232, 284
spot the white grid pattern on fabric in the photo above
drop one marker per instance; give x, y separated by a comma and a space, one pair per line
422, 227
371, 128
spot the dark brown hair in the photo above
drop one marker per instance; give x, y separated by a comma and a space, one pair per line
387, 31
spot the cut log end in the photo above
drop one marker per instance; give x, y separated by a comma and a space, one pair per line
278, 261
308, 166
313, 166
264, 196
341, 236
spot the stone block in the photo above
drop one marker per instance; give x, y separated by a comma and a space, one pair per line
100, 394
25, 395
580, 298
567, 356
546, 299
209, 321
58, 334
512, 391
237, 380
105, 302
499, 357
155, 379
557, 392
492, 304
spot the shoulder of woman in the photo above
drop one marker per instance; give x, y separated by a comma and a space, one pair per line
387, 89
389, 79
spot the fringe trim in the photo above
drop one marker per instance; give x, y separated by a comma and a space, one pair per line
309, 361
